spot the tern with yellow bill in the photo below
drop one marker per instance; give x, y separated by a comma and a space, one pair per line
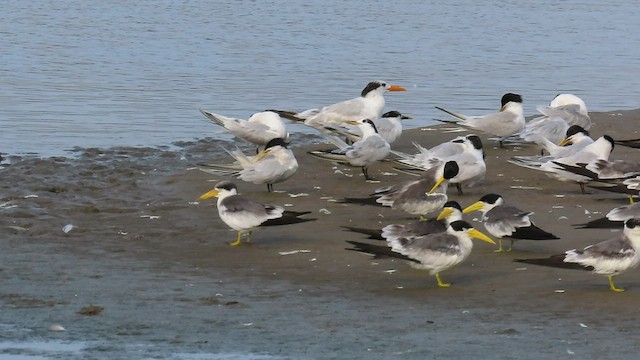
433, 252
368, 150
609, 258
420, 197
506, 221
243, 215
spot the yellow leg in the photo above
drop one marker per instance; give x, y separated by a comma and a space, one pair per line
631, 200
423, 218
499, 247
612, 286
440, 283
237, 242
510, 246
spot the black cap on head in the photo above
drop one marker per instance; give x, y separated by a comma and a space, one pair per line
452, 204
372, 86
391, 114
460, 225
609, 139
276, 142
508, 97
451, 169
370, 123
475, 140
574, 129
632, 223
227, 185
490, 198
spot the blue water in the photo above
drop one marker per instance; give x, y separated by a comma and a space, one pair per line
106, 73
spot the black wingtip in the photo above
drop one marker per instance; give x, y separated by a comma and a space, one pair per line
373, 234
602, 223
532, 233
555, 261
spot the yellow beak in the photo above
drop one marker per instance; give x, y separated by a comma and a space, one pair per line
261, 154
396, 88
564, 142
210, 194
480, 236
438, 183
476, 206
445, 213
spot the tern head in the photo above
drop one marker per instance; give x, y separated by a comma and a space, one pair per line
396, 114
450, 208
475, 140
379, 87
485, 203
573, 132
276, 142
462, 226
509, 97
449, 171
222, 189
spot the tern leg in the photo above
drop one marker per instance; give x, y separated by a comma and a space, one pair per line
423, 218
511, 246
612, 286
631, 201
459, 187
365, 172
500, 249
440, 283
582, 188
269, 187
237, 242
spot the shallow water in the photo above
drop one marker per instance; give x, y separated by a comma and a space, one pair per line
134, 73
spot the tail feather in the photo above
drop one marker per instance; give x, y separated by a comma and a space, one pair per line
633, 143
378, 251
213, 117
602, 223
532, 232
289, 115
452, 113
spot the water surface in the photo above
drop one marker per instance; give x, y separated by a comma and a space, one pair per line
100, 74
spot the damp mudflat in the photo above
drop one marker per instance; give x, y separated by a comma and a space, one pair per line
107, 254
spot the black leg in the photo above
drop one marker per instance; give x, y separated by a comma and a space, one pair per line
459, 187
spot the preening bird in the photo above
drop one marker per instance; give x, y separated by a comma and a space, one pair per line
259, 129
421, 197
275, 164
506, 221
369, 150
609, 258
244, 215
508, 121
466, 151
433, 252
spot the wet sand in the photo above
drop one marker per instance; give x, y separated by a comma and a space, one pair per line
159, 265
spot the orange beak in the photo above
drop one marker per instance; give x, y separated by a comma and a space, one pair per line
396, 88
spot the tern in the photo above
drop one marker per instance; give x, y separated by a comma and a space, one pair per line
389, 126
609, 258
599, 150
466, 151
615, 218
369, 105
259, 129
433, 252
506, 221
370, 149
276, 163
508, 121
451, 211
420, 197
243, 215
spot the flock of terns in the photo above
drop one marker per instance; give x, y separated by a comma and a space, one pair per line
439, 238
